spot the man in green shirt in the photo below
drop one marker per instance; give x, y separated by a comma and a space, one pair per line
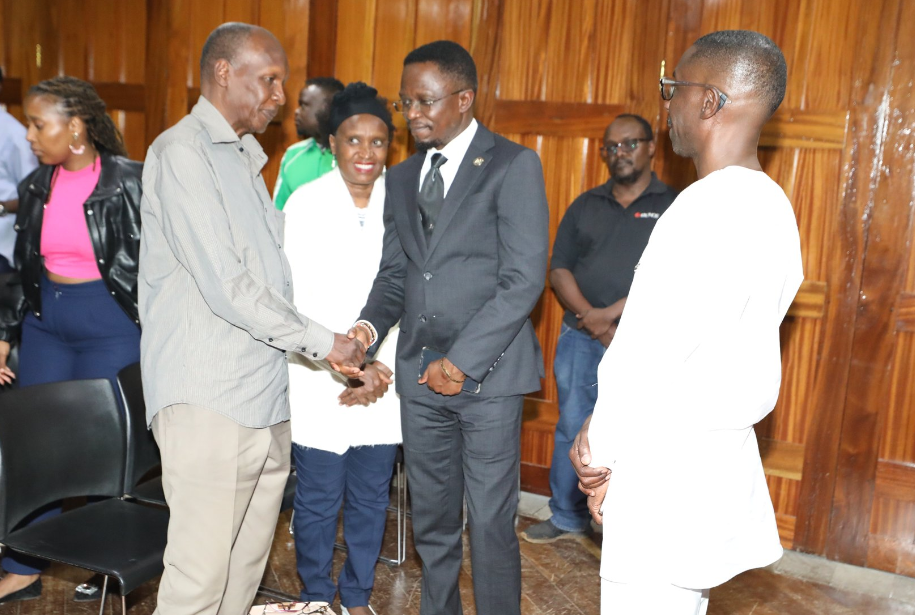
309, 159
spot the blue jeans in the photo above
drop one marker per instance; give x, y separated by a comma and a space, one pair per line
363, 475
83, 333
575, 366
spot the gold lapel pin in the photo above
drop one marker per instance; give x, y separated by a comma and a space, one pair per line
478, 162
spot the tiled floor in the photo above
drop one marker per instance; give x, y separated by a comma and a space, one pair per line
558, 579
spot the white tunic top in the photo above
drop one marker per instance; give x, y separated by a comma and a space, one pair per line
334, 260
694, 365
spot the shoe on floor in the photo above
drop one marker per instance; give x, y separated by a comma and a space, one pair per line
89, 591
545, 532
344, 611
29, 592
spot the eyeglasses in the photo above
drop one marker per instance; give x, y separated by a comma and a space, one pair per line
669, 88
404, 105
629, 145
298, 608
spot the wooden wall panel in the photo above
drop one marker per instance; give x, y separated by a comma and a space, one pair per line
394, 32
355, 22
889, 233
442, 19
838, 450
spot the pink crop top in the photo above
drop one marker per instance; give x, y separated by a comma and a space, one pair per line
65, 242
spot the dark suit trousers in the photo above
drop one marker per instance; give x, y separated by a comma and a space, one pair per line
457, 446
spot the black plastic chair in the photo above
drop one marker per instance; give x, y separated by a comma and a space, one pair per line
142, 450
145, 456
69, 439
147, 452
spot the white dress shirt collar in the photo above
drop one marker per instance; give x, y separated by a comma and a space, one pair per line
454, 151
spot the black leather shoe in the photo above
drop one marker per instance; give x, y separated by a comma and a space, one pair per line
29, 592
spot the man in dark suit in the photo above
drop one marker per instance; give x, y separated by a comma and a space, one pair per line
464, 262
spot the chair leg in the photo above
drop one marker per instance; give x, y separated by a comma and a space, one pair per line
401, 499
101, 609
123, 605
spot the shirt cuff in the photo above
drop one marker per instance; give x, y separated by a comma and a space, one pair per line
317, 342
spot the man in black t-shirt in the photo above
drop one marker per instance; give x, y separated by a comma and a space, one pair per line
599, 243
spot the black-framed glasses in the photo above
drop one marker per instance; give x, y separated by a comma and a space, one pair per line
629, 145
297, 608
668, 88
404, 105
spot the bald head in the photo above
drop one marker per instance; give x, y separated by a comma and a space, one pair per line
749, 61
226, 42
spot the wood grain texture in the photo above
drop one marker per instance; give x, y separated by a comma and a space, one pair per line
818, 496
322, 38
554, 119
889, 232
782, 459
552, 74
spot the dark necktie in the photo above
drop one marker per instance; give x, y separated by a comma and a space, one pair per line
431, 195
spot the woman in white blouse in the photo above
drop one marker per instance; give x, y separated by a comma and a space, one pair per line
344, 445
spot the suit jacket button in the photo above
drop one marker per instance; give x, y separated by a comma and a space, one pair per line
428, 276
422, 318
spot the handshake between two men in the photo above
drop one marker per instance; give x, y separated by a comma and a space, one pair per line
369, 381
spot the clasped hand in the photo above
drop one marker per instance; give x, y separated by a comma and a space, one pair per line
599, 323
370, 387
348, 355
592, 482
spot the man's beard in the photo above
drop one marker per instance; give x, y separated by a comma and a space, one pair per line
425, 146
628, 179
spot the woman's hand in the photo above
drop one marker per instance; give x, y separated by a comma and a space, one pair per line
6, 374
370, 387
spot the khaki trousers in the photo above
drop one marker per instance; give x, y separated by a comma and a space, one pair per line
224, 486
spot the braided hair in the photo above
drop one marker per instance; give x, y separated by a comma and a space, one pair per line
78, 98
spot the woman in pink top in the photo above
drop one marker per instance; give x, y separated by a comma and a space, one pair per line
76, 251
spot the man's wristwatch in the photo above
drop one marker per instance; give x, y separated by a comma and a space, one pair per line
3, 211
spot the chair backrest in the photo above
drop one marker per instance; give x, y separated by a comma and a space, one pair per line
142, 450
58, 440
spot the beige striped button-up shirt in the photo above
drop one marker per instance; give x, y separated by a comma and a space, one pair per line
215, 289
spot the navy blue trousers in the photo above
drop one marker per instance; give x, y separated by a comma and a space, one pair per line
360, 478
83, 333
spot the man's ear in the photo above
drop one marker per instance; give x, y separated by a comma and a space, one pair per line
221, 71
711, 102
465, 99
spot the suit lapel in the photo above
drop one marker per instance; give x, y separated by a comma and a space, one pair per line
410, 189
471, 170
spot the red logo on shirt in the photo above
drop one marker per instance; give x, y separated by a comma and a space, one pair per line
647, 214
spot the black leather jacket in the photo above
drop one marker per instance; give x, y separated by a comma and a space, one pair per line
113, 219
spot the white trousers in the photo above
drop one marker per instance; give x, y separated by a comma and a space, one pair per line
651, 599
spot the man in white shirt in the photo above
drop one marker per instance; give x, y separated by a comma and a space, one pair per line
695, 362
16, 161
